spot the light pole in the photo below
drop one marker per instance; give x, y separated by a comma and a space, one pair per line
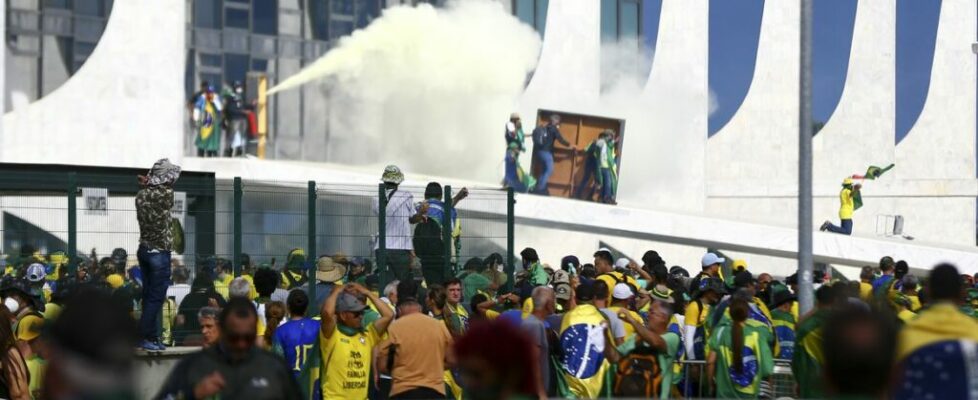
805, 260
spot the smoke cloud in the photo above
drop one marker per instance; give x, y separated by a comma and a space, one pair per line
426, 88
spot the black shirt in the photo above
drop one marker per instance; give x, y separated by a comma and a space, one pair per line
544, 137
260, 375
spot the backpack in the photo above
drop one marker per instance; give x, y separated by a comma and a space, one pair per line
427, 239
639, 374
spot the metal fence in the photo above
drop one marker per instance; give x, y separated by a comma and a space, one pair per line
692, 381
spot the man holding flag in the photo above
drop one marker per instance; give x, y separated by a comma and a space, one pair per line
587, 347
847, 199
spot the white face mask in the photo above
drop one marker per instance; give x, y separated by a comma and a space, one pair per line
11, 304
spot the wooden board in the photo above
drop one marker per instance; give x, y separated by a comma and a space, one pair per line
580, 131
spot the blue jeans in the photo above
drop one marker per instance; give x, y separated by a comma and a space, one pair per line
547, 159
607, 187
155, 267
845, 229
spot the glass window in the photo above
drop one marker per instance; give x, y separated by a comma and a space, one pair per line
264, 17
609, 20
318, 13
235, 67
259, 64
541, 15
55, 3
212, 79
628, 25
524, 10
207, 14
342, 7
235, 18
210, 60
339, 29
92, 8
366, 11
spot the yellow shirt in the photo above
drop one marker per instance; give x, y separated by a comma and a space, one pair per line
609, 279
865, 291
694, 315
914, 303
346, 363
36, 366
221, 286
629, 329
252, 292
906, 315
51, 311
847, 207
940, 322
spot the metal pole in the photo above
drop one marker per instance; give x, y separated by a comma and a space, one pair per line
385, 272
446, 234
312, 257
238, 194
510, 237
805, 261
72, 251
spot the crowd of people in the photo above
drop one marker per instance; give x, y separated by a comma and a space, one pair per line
605, 328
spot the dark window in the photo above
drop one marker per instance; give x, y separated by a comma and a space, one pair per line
318, 14
55, 4
212, 79
525, 11
91, 8
235, 67
541, 15
207, 14
609, 20
235, 18
259, 64
342, 7
366, 11
340, 28
210, 60
264, 17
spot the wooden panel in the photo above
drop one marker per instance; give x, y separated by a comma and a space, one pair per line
580, 131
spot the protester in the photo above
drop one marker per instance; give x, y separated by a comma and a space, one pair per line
31, 348
706, 296
807, 362
607, 167
603, 264
347, 346
536, 274
931, 352
908, 288
428, 239
740, 356
210, 332
180, 288
711, 269
275, 313
400, 215
293, 275
236, 367
544, 305
543, 150
295, 338
236, 116
859, 348
516, 177
503, 372
784, 324
474, 280
846, 208
153, 203
651, 339
417, 350
207, 121
202, 294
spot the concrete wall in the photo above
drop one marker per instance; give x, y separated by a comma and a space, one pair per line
124, 107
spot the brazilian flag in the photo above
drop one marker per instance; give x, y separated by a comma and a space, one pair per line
583, 336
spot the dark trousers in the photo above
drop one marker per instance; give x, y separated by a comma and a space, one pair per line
584, 186
607, 189
433, 269
398, 263
155, 267
419, 393
845, 229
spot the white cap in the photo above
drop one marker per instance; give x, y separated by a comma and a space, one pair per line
622, 292
622, 263
710, 259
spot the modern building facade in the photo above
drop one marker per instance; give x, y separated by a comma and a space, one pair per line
133, 81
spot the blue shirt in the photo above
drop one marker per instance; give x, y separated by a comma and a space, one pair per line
296, 339
436, 211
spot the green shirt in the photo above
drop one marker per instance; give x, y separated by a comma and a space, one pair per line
666, 359
758, 361
473, 283
806, 364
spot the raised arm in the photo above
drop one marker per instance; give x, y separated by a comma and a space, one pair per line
386, 314
328, 313
652, 338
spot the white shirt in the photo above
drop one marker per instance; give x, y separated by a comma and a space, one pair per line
400, 209
178, 291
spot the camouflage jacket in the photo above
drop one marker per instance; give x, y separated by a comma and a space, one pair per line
153, 204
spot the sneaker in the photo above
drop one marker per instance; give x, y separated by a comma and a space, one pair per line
825, 226
160, 344
152, 346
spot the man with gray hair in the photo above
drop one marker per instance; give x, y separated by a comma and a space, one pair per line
239, 287
210, 331
390, 295
544, 304
153, 203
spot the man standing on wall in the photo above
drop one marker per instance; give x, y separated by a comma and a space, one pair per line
153, 203
400, 215
543, 150
846, 208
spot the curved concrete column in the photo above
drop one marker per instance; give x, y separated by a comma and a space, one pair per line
568, 76
665, 140
860, 131
941, 145
760, 143
135, 74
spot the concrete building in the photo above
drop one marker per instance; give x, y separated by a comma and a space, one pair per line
121, 91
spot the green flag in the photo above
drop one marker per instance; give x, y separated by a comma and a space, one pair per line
874, 172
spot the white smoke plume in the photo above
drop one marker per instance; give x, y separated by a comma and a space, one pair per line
426, 88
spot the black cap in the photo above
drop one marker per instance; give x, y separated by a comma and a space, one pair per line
473, 263
570, 261
529, 254
711, 284
677, 270
781, 297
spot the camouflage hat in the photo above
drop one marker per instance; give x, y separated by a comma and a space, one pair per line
392, 174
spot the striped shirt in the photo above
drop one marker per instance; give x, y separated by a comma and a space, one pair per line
400, 209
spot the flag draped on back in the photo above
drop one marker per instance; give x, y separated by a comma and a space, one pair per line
583, 337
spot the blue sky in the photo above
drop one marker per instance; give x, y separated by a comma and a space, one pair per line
734, 31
